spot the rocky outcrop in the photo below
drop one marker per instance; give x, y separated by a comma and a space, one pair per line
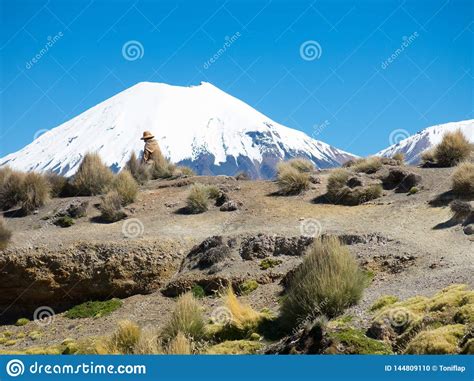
39, 276
401, 180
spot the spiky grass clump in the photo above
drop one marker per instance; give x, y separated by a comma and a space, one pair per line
302, 165
59, 184
367, 165
140, 172
111, 207
125, 338
463, 179
336, 182
453, 149
244, 317
179, 345
187, 318
399, 156
11, 188
35, 192
93, 177
126, 186
184, 171
327, 282
427, 156
198, 199
5, 234
162, 169
290, 180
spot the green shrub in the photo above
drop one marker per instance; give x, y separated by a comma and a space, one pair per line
21, 322
126, 186
5, 235
198, 199
290, 180
413, 190
186, 318
463, 179
93, 309
64, 221
367, 165
93, 177
327, 282
383, 301
198, 292
269, 263
247, 287
140, 171
11, 188
111, 207
35, 191
453, 149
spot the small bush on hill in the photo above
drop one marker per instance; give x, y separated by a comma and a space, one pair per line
59, 185
427, 156
463, 179
367, 165
64, 221
184, 171
198, 199
290, 180
35, 192
5, 234
302, 165
11, 188
111, 207
327, 282
399, 156
454, 148
126, 186
187, 318
140, 172
336, 182
162, 169
93, 177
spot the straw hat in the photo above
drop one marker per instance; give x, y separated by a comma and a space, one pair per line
147, 135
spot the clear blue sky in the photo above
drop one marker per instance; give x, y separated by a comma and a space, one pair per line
349, 97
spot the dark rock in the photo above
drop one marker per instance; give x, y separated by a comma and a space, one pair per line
231, 206
354, 182
78, 209
314, 179
469, 229
222, 198
401, 180
263, 246
210, 252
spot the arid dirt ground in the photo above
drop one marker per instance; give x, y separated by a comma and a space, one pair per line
401, 244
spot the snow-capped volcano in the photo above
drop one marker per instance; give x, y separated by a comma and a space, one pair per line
199, 126
413, 146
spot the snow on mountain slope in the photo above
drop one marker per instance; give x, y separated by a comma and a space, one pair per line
200, 126
413, 146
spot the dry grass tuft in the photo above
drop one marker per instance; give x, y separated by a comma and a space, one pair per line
463, 179
244, 317
140, 172
290, 180
302, 165
35, 192
59, 185
367, 165
399, 156
327, 282
11, 188
126, 186
125, 338
5, 234
453, 149
111, 207
187, 318
93, 177
198, 199
179, 345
